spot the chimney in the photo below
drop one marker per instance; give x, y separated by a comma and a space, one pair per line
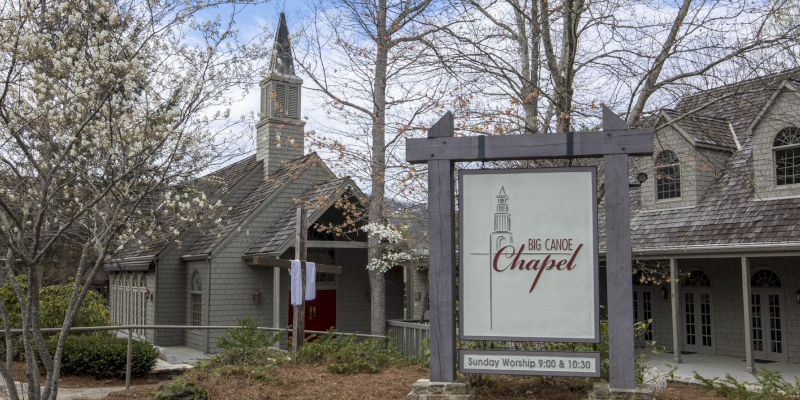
279, 133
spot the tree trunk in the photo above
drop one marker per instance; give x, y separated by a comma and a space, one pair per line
378, 179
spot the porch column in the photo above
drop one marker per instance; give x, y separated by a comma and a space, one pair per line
276, 297
674, 303
748, 329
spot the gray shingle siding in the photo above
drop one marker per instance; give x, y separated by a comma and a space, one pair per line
169, 296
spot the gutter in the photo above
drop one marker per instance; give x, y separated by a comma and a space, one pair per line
142, 263
738, 250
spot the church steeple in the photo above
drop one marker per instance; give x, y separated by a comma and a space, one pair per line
281, 61
279, 134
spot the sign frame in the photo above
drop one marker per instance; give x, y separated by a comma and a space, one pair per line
591, 374
595, 254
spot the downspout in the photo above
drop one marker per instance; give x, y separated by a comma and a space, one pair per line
208, 303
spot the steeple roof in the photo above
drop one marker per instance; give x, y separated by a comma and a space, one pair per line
281, 60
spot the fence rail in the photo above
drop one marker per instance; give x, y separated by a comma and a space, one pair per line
131, 328
408, 336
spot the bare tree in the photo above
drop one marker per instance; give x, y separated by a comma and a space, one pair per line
363, 57
102, 108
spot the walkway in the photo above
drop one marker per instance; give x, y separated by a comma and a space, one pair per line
180, 358
717, 367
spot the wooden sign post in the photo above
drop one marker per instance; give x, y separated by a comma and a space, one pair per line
441, 149
300, 253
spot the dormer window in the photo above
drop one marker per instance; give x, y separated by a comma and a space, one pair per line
787, 156
668, 175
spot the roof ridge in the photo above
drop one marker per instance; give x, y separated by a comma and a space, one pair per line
742, 83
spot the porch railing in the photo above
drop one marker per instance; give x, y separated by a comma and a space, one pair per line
408, 336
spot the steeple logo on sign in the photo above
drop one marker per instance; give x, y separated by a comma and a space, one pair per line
532, 283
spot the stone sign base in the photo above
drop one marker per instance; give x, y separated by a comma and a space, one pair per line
424, 389
601, 391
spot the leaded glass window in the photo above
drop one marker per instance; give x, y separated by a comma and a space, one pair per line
787, 156
668, 175
196, 299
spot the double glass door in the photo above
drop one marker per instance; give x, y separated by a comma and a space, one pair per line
698, 334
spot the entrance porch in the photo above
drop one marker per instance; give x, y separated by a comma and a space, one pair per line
744, 308
709, 366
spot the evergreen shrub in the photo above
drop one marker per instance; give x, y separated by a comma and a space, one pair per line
104, 355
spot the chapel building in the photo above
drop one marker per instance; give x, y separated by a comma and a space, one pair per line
207, 277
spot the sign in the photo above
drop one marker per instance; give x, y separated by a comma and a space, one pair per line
529, 363
529, 269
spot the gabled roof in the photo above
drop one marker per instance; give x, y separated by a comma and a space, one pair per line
316, 200
737, 103
703, 130
253, 201
215, 185
731, 214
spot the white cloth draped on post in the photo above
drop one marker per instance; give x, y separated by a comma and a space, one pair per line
311, 281
296, 283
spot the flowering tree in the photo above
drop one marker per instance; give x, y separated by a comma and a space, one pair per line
102, 107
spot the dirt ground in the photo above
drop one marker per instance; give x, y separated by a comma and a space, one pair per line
71, 381
304, 383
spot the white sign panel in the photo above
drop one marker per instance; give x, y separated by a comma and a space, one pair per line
529, 255
529, 363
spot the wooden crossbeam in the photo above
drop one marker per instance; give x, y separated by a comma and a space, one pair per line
527, 147
286, 264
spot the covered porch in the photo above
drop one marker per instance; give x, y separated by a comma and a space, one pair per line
709, 366
724, 312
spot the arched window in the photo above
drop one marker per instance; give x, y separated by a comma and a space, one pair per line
787, 156
668, 175
765, 279
697, 278
197, 299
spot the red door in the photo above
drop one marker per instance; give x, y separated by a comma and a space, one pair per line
320, 312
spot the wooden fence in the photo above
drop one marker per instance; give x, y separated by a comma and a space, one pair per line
408, 336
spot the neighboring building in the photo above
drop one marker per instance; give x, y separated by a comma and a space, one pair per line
722, 206
205, 278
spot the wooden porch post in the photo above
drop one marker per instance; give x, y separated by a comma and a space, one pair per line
299, 317
674, 303
276, 298
748, 329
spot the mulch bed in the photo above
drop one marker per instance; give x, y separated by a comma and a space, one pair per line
301, 382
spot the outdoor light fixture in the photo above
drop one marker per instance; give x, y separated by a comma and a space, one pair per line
797, 296
641, 177
256, 297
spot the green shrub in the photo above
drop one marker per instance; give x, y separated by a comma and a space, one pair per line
53, 302
246, 345
180, 389
770, 385
104, 355
246, 338
348, 355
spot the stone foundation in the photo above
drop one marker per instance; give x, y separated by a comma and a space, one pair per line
424, 389
601, 391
